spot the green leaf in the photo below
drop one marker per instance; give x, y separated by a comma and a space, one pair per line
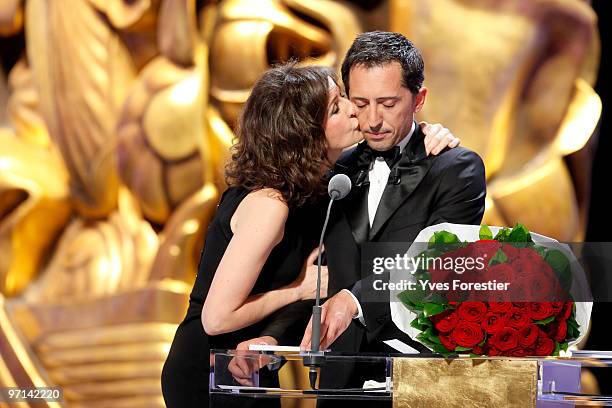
415, 323
572, 332
484, 340
571, 322
425, 321
459, 348
560, 264
431, 309
545, 321
563, 346
556, 350
412, 299
485, 232
444, 237
438, 348
498, 258
519, 234
435, 339
502, 235
541, 250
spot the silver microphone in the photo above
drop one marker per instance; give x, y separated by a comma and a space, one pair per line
339, 186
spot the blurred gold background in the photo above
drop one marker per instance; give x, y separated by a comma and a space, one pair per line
115, 124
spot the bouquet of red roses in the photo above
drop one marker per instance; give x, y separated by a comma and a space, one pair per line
536, 318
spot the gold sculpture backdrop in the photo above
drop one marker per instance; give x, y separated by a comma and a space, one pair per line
116, 121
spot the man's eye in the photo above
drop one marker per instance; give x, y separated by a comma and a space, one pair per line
360, 105
388, 105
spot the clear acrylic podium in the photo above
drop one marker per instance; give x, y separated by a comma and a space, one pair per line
419, 379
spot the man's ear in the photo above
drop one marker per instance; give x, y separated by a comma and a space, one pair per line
419, 99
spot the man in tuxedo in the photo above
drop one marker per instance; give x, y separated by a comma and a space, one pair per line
397, 191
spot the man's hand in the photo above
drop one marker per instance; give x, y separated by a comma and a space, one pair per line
243, 367
336, 316
437, 138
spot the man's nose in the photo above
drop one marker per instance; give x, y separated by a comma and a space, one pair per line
352, 111
374, 118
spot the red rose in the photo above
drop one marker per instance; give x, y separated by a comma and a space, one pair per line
557, 307
478, 350
543, 284
493, 322
521, 305
528, 335
540, 310
447, 342
493, 352
467, 334
530, 255
566, 312
502, 273
485, 249
544, 346
561, 331
500, 307
534, 278
517, 318
518, 352
511, 251
445, 322
472, 311
505, 339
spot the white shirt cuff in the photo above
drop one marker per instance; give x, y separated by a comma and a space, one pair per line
359, 311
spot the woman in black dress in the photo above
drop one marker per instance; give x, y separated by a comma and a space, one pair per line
293, 127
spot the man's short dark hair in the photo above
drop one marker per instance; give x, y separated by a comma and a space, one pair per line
376, 48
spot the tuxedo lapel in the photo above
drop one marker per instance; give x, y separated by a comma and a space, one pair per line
356, 208
405, 176
355, 205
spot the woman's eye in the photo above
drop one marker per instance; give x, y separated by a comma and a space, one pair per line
335, 109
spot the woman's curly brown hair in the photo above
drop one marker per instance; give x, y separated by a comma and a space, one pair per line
281, 137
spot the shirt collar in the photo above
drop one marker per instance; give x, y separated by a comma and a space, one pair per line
402, 143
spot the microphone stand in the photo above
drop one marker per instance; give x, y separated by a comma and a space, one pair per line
315, 358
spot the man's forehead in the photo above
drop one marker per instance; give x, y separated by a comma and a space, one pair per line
378, 81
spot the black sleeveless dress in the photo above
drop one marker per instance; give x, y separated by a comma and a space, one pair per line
186, 372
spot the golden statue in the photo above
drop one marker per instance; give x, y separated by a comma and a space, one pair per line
116, 122
107, 185
515, 84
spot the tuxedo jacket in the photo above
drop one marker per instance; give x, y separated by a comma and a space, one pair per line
421, 191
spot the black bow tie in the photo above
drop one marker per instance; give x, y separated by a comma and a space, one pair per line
368, 155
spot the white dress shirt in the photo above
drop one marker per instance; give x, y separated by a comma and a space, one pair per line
378, 177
